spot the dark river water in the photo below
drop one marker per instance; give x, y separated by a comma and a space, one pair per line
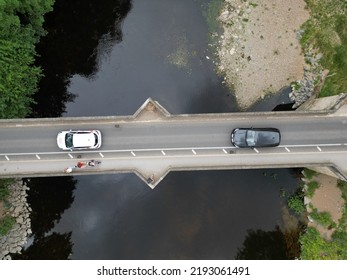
107, 58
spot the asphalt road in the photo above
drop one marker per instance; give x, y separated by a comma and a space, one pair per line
178, 142
175, 134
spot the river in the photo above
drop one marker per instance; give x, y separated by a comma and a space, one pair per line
106, 58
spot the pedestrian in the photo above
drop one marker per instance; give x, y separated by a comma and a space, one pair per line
91, 163
68, 170
81, 164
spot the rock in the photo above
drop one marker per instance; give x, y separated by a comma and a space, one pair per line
307, 200
18, 209
232, 51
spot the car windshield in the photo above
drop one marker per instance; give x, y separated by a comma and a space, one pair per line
68, 140
251, 137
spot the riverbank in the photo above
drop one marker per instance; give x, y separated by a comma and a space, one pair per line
325, 202
15, 208
259, 50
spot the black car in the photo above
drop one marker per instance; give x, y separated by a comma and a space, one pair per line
255, 137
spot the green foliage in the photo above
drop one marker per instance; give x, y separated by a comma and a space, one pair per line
343, 221
326, 30
309, 173
4, 192
21, 27
311, 187
342, 185
314, 247
6, 223
296, 203
6, 182
322, 218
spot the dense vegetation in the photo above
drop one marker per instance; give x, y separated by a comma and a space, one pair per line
314, 246
326, 31
21, 27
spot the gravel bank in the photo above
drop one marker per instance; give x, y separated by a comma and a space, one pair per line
259, 50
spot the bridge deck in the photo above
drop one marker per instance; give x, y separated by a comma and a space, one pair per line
153, 142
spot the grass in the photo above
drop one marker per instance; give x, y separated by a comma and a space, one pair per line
326, 31
6, 224
4, 193
309, 173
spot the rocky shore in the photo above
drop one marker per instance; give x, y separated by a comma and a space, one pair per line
20, 211
311, 81
259, 51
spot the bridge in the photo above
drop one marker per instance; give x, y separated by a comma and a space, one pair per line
152, 142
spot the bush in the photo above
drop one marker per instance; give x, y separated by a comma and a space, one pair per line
322, 218
314, 247
311, 187
296, 203
21, 27
326, 31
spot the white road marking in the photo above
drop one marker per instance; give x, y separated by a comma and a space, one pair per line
70, 155
125, 150
166, 149
133, 153
256, 150
225, 152
37, 156
7, 157
163, 153
319, 149
287, 149
189, 156
314, 145
101, 155
193, 152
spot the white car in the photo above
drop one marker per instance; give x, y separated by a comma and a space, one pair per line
79, 139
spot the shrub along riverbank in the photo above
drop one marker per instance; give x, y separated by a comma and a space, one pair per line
21, 28
326, 33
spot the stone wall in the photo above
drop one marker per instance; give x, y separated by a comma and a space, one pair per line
20, 211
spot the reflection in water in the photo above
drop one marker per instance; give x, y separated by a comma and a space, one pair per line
190, 215
74, 30
48, 198
54, 246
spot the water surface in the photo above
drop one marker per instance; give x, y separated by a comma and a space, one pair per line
158, 49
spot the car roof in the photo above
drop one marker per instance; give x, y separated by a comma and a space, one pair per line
83, 139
